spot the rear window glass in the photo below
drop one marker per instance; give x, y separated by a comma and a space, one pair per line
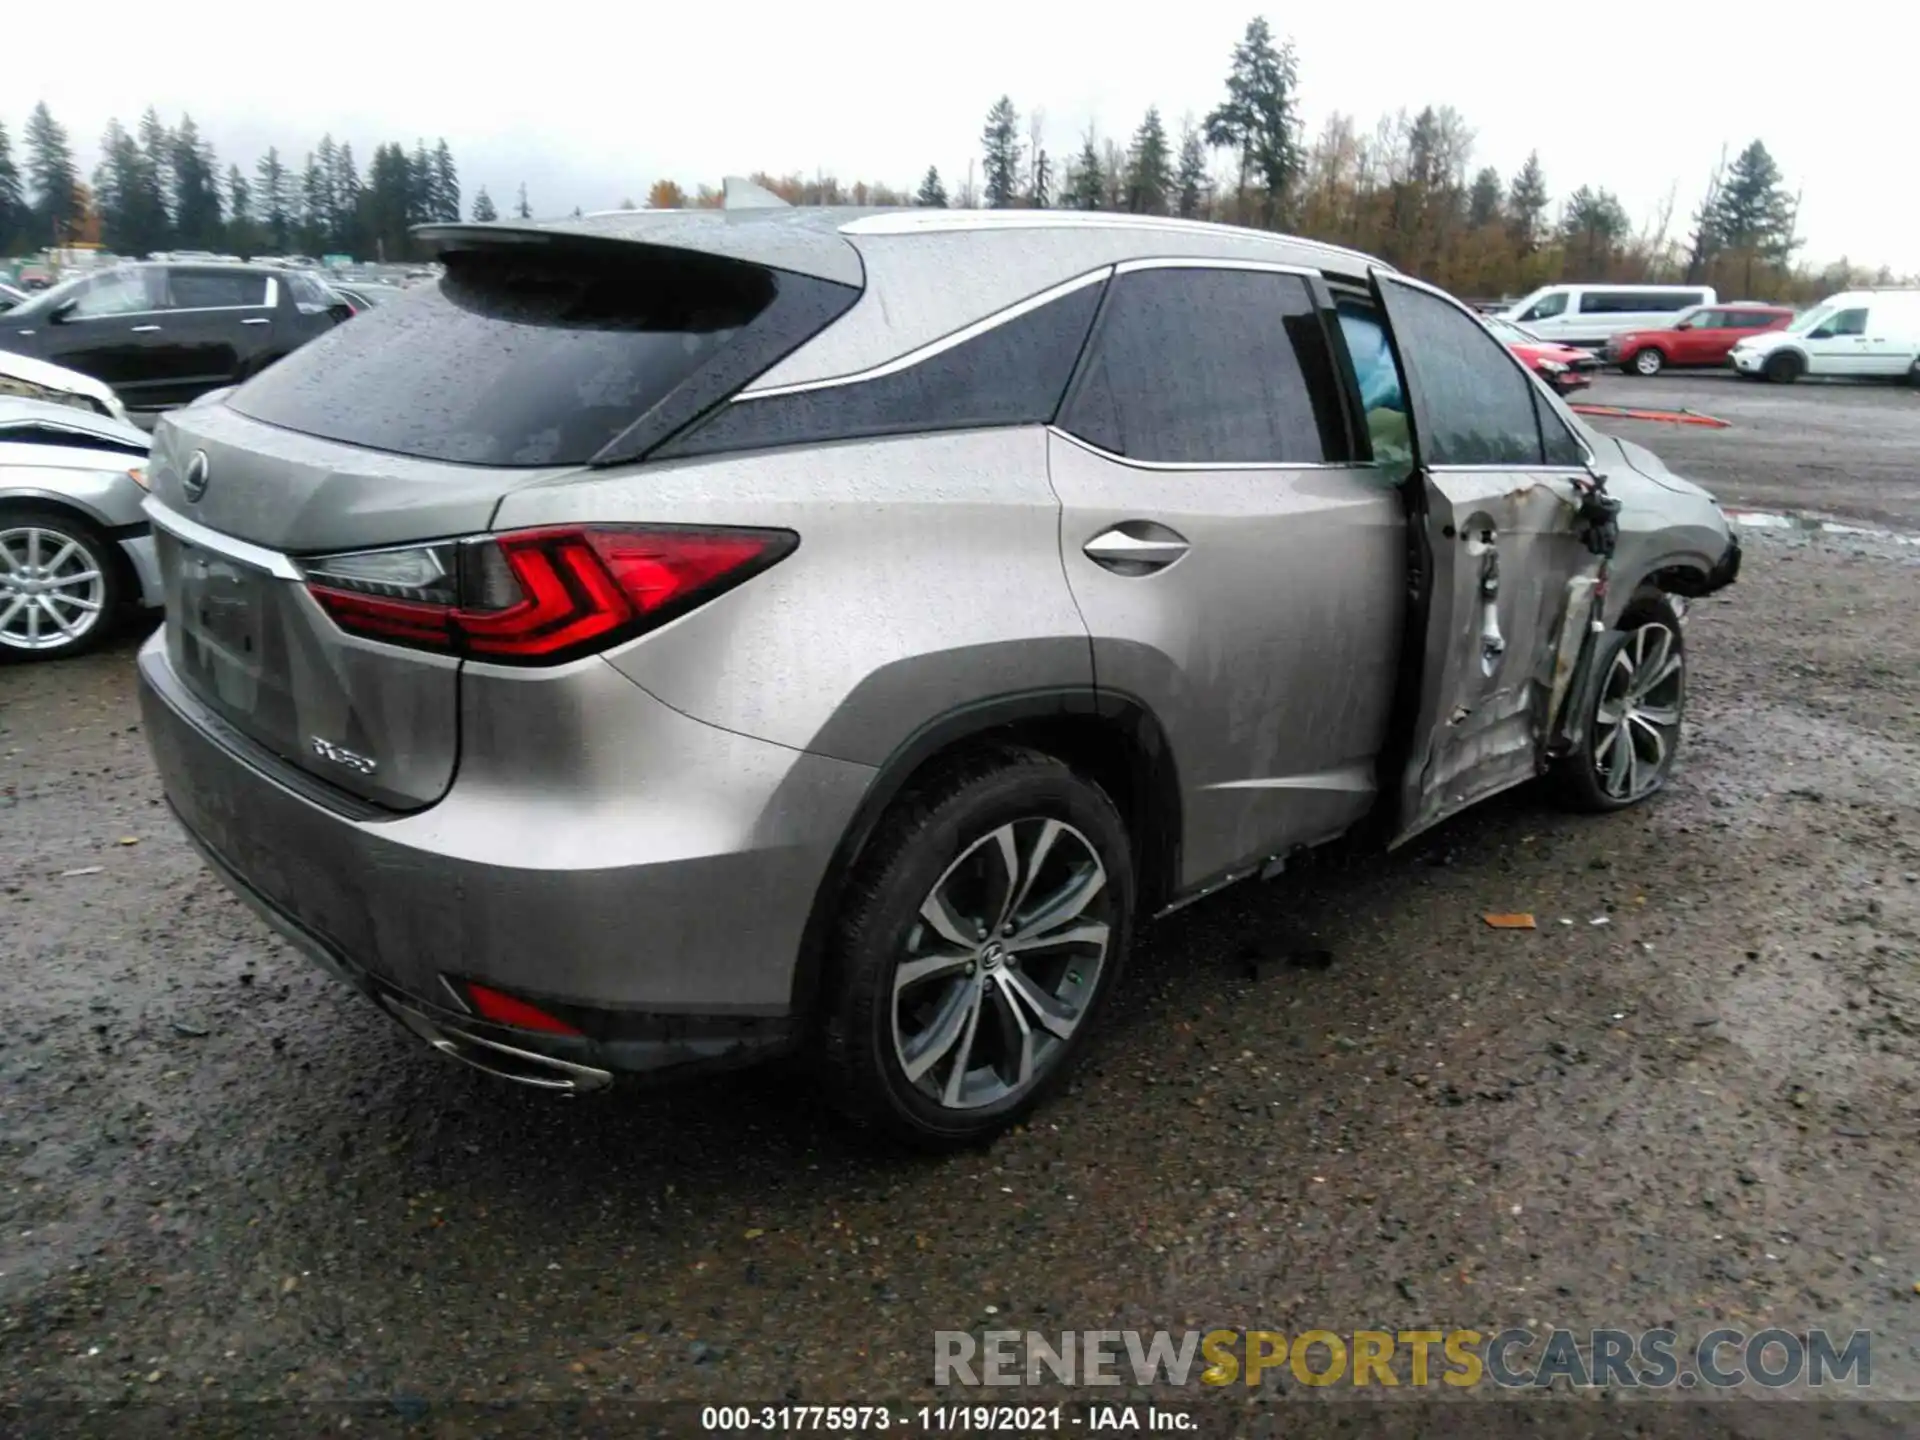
513, 359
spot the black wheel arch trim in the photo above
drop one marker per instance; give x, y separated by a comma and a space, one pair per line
1157, 799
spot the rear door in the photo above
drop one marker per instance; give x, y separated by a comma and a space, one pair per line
216, 322
1493, 491
1238, 566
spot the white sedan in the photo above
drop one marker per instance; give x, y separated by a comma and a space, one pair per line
32, 379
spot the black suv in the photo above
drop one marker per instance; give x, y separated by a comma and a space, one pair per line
162, 334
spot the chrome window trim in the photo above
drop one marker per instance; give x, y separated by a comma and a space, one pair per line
1206, 466
1211, 262
933, 347
207, 538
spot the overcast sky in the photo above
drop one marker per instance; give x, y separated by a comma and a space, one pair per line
588, 104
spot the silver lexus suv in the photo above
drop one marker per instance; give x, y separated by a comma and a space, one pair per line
672, 639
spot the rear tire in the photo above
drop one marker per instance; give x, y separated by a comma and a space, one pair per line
1632, 730
1648, 361
61, 584
1785, 367
944, 1031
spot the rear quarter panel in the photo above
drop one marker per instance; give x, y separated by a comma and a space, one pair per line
927, 578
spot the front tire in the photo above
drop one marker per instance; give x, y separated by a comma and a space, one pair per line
985, 924
1648, 361
1784, 367
1632, 732
60, 584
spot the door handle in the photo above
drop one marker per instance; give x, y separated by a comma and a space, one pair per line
144, 329
257, 320
1136, 547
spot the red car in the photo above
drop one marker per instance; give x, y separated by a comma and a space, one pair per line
1700, 336
1564, 367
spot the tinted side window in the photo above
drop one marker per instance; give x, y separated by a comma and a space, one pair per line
1011, 374
1847, 322
1608, 302
211, 289
1472, 404
1210, 367
1546, 307
1559, 445
126, 291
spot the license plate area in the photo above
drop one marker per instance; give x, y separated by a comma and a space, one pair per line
218, 621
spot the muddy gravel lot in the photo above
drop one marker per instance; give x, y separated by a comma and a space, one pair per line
1690, 1098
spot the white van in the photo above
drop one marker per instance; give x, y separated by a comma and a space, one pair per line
1871, 334
1588, 314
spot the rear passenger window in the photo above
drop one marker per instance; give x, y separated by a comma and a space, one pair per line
1013, 373
1212, 367
1472, 404
212, 290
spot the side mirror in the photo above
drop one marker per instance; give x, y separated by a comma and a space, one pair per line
1684, 325
61, 312
1825, 332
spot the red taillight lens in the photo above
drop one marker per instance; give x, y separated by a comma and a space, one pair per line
505, 1009
538, 596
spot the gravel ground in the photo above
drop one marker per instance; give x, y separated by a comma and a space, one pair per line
224, 1177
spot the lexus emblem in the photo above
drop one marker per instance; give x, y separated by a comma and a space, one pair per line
194, 482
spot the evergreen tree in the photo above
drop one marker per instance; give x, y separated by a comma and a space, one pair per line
388, 203
446, 184
52, 179
129, 196
1190, 182
423, 186
1592, 228
932, 193
1527, 206
1754, 211
196, 188
1259, 119
1149, 167
1000, 141
1086, 185
13, 200
276, 204
243, 227
316, 204
483, 210
521, 208
1040, 190
1483, 200
343, 189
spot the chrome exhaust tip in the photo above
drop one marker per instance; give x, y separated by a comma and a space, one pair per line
504, 1062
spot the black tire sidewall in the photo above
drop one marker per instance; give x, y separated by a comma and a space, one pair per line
1784, 368
908, 855
106, 559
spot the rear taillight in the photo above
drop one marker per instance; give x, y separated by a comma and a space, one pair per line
537, 597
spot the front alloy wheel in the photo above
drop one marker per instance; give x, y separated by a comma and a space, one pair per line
998, 973
981, 929
56, 585
1648, 361
1633, 733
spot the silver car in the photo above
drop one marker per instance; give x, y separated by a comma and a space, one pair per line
75, 552
675, 639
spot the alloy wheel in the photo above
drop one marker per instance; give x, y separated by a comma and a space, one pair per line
1637, 723
52, 591
1002, 963
1648, 361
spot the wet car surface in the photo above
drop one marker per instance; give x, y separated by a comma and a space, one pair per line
229, 1178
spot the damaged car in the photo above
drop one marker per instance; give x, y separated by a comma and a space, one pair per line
76, 556
671, 640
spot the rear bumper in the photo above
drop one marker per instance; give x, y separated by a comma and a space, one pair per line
653, 885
